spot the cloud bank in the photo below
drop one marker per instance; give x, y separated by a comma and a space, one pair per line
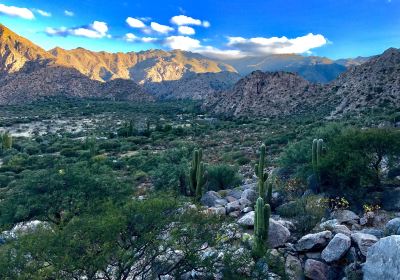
13, 11
95, 30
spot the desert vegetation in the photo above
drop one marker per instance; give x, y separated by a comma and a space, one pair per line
114, 190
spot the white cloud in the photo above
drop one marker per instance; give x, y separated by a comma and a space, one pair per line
277, 45
96, 30
185, 20
163, 29
135, 23
16, 12
42, 13
149, 39
182, 43
206, 24
130, 37
69, 13
186, 30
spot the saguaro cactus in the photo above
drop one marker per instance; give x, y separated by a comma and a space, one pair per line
261, 227
259, 170
316, 156
6, 141
197, 174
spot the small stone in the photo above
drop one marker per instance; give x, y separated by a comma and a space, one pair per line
392, 226
316, 270
314, 241
234, 214
247, 209
250, 195
232, 206
247, 220
337, 248
345, 216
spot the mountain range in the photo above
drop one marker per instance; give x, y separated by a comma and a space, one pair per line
280, 85
373, 84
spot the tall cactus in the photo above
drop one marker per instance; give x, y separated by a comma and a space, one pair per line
261, 227
316, 156
6, 141
259, 170
197, 174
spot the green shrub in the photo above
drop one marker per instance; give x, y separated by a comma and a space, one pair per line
222, 176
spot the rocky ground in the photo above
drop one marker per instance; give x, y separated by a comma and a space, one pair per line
345, 246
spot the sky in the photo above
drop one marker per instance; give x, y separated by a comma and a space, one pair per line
219, 29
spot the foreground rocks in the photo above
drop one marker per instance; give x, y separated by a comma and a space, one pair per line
336, 248
383, 259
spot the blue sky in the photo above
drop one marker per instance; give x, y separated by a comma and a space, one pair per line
228, 29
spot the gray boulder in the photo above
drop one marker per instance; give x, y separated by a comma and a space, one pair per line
316, 270
392, 227
235, 193
232, 206
247, 220
363, 241
250, 194
345, 216
278, 234
314, 241
383, 259
336, 248
210, 198
220, 211
293, 268
374, 231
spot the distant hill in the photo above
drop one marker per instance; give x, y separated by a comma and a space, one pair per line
312, 68
373, 84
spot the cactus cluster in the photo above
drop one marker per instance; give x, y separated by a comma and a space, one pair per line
261, 227
263, 185
262, 209
197, 174
6, 141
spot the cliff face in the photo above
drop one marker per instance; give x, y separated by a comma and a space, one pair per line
374, 84
266, 94
15, 51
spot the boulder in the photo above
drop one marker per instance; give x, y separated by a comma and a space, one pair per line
247, 209
341, 229
316, 270
250, 194
363, 241
247, 220
329, 224
337, 248
383, 259
314, 241
293, 268
392, 227
232, 206
210, 198
235, 193
278, 234
345, 216
245, 202
374, 231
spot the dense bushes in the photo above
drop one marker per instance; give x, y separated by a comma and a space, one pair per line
222, 176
